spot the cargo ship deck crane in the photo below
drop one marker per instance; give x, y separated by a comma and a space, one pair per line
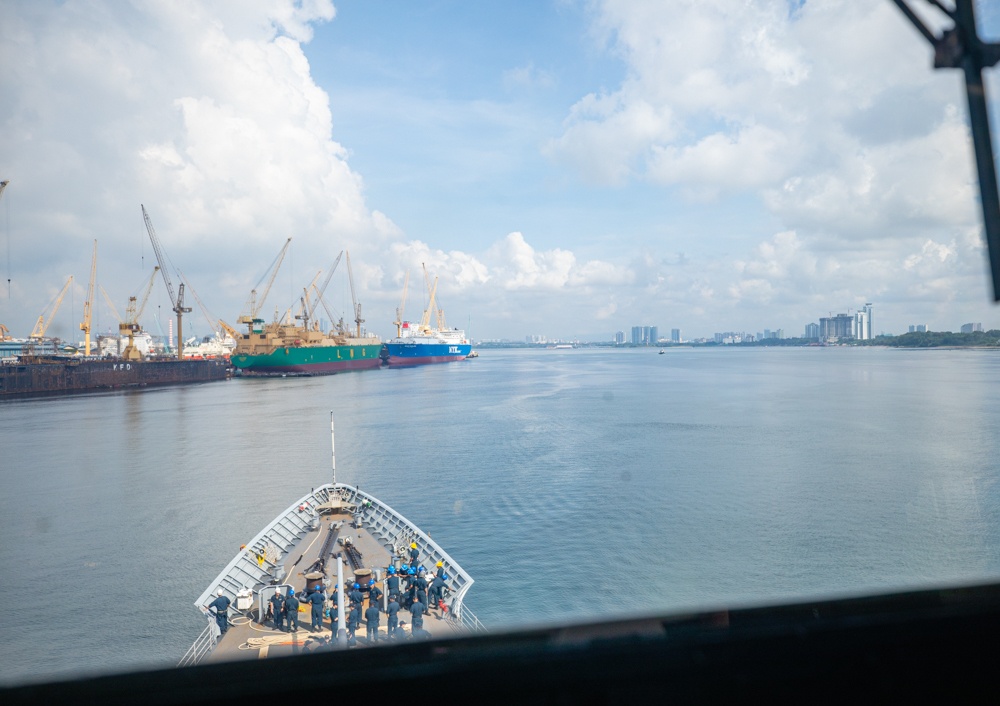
41, 326
321, 290
176, 301
402, 306
88, 303
425, 320
357, 307
253, 305
130, 326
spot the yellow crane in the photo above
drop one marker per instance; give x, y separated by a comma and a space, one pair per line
111, 304
41, 326
3, 332
425, 320
402, 306
130, 325
85, 324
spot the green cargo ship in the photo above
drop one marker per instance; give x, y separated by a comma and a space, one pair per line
285, 349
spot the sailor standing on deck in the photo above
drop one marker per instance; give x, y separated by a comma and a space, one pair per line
393, 611
437, 591
221, 610
353, 620
374, 594
392, 581
277, 608
316, 599
414, 553
334, 603
355, 595
417, 611
371, 622
292, 611
440, 569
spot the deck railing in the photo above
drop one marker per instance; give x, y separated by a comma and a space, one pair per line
203, 644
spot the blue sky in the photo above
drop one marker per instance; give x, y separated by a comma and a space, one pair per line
567, 169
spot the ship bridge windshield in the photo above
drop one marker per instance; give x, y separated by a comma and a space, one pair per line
715, 402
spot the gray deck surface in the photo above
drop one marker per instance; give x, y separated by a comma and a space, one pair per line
246, 639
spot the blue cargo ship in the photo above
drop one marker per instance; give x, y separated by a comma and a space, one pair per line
421, 344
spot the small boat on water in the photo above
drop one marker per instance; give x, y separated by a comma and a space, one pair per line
335, 535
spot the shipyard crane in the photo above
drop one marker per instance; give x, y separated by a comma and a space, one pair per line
4, 330
402, 306
322, 289
253, 305
233, 333
130, 326
357, 307
339, 327
425, 320
176, 301
305, 315
110, 303
201, 305
41, 326
88, 303
3, 185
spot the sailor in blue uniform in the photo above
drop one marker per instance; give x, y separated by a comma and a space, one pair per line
277, 609
440, 569
353, 620
355, 595
437, 591
393, 611
292, 611
417, 612
221, 606
392, 581
334, 603
316, 599
414, 553
371, 622
374, 594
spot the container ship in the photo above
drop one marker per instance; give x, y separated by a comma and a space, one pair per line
422, 344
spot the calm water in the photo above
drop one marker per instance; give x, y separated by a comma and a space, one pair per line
570, 484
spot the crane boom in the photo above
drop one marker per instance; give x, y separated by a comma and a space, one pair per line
329, 276
402, 305
88, 304
111, 304
253, 305
40, 328
357, 307
176, 301
425, 320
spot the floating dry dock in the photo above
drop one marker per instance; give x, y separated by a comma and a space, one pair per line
333, 520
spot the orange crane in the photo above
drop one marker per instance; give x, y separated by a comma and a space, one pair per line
178, 300
87, 305
41, 326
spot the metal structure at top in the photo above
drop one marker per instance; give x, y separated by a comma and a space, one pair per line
961, 48
177, 301
254, 304
89, 303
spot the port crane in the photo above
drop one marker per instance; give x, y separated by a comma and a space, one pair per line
42, 325
402, 306
425, 320
322, 289
357, 307
176, 301
130, 325
253, 305
88, 303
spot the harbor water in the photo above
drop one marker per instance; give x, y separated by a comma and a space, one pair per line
572, 485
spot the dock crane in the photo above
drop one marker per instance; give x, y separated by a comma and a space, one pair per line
130, 325
41, 326
321, 290
425, 320
253, 305
176, 301
88, 303
357, 307
402, 306
111, 304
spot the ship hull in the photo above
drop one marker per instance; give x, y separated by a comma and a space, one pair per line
314, 360
401, 354
60, 377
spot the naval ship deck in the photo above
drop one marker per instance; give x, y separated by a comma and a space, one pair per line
301, 547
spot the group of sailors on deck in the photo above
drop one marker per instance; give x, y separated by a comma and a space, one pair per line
407, 588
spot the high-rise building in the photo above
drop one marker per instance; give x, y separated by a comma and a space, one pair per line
619, 338
812, 331
918, 328
644, 335
971, 328
675, 335
832, 328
